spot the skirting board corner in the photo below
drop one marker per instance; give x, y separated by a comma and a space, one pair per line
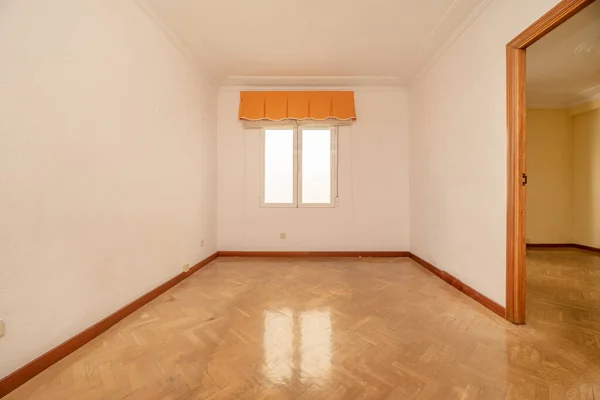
466, 289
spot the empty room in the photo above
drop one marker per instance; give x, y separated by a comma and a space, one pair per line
295, 200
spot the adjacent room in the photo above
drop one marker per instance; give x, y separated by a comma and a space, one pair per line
563, 179
298, 200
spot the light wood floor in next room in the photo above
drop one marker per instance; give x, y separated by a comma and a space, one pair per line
343, 329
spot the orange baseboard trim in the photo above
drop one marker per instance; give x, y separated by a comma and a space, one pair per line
30, 370
584, 247
563, 245
313, 253
547, 245
466, 289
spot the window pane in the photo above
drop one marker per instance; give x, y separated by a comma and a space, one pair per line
316, 166
279, 166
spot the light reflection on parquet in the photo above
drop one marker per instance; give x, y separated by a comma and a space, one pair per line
323, 328
563, 297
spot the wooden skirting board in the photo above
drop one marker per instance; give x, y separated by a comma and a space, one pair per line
584, 247
563, 245
313, 253
548, 245
30, 370
466, 289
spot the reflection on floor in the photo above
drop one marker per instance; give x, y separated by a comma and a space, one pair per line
330, 329
563, 297
282, 355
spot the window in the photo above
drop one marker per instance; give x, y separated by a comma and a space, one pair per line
299, 167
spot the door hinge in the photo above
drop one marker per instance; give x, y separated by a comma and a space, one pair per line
524, 183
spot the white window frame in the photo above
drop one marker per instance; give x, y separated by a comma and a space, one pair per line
297, 203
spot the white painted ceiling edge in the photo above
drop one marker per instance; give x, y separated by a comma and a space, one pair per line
334, 82
306, 81
288, 86
329, 81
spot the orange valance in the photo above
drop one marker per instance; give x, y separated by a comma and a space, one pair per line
277, 106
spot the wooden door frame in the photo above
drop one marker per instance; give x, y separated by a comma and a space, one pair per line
516, 107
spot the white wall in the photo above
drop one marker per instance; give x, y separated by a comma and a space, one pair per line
550, 173
107, 167
586, 131
458, 150
373, 183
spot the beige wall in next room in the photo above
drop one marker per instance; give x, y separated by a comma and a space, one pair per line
563, 166
550, 176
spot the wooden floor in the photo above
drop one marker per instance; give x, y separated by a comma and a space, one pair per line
343, 329
563, 297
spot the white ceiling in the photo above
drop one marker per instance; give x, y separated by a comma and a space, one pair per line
563, 69
313, 41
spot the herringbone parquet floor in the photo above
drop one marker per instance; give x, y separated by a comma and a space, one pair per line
344, 328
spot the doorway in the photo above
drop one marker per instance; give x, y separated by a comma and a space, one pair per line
517, 174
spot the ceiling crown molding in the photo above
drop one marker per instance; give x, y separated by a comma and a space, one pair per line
587, 95
217, 80
545, 100
147, 8
453, 38
321, 81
